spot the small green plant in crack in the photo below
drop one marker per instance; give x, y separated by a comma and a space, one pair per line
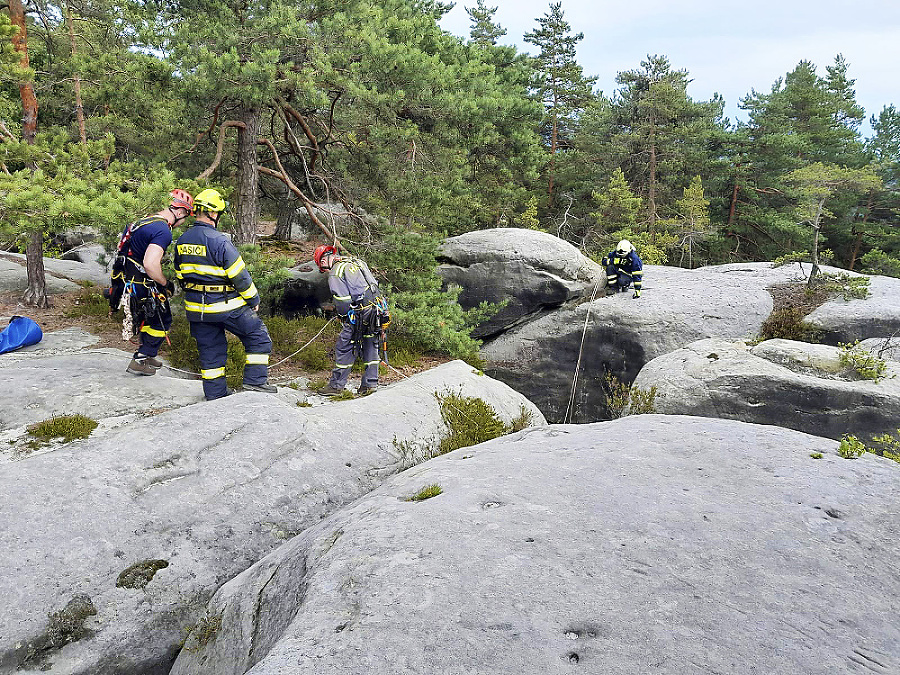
200, 634
861, 361
426, 492
66, 427
816, 455
890, 446
851, 447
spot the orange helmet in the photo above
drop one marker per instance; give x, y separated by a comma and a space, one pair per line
181, 199
320, 252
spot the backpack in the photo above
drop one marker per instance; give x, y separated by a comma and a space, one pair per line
21, 332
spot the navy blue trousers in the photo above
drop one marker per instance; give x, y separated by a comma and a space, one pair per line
154, 330
213, 347
345, 355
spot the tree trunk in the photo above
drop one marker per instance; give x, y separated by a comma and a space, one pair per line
651, 192
859, 232
26, 90
79, 108
817, 226
554, 131
288, 206
36, 292
246, 210
733, 207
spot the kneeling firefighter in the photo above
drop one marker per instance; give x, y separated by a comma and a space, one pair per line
137, 277
364, 316
220, 295
623, 266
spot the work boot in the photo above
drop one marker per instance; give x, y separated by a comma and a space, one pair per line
140, 367
363, 391
152, 361
265, 387
330, 390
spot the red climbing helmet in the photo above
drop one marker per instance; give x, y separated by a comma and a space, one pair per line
320, 253
181, 199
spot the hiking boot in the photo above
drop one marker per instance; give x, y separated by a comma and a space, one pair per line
330, 390
365, 391
140, 367
265, 388
152, 361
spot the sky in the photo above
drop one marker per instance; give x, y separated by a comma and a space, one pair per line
728, 48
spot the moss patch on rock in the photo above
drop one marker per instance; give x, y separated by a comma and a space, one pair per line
140, 574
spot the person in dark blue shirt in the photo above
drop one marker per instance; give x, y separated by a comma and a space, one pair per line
624, 267
138, 273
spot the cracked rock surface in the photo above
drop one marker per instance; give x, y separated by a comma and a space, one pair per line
145, 522
780, 382
694, 545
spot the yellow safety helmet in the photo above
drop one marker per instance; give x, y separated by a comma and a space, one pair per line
210, 200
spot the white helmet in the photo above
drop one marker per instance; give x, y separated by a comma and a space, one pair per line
624, 247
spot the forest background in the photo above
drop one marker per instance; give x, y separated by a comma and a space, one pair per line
392, 133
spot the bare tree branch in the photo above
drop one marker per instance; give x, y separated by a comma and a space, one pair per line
220, 147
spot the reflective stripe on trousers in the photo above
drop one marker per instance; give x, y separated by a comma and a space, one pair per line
345, 355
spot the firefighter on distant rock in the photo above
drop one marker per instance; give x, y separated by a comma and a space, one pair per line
624, 268
220, 295
363, 311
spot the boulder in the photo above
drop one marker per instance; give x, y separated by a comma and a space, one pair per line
780, 382
112, 546
14, 278
56, 270
304, 292
694, 545
527, 269
619, 334
87, 253
878, 315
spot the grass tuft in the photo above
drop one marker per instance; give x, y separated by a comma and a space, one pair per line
426, 492
66, 427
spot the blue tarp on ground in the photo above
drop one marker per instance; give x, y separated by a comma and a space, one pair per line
21, 332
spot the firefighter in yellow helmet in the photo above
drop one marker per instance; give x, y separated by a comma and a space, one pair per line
220, 295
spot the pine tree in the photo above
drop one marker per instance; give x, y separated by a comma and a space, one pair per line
484, 32
617, 209
559, 82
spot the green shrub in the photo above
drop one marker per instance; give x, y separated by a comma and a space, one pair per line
851, 447
788, 324
89, 303
826, 256
877, 261
862, 361
622, 400
890, 446
426, 492
182, 348
469, 421
66, 427
848, 287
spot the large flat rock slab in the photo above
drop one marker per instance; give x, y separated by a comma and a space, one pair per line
619, 334
111, 547
86, 382
780, 382
648, 544
73, 270
14, 277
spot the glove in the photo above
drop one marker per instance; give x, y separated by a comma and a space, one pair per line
169, 289
637, 294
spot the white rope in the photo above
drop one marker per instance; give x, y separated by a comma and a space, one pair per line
304, 346
570, 408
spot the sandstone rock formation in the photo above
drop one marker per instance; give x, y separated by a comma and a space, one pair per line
649, 544
780, 382
620, 335
111, 546
528, 270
